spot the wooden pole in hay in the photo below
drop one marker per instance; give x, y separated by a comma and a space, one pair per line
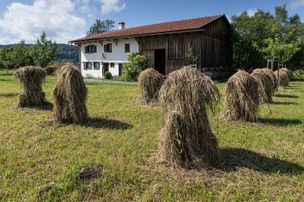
265, 85
31, 79
242, 99
70, 96
187, 139
150, 81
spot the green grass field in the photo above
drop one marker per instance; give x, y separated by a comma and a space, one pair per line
261, 161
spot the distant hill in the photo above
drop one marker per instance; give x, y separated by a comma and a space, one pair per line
65, 52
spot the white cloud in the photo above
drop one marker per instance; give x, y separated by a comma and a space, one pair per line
26, 21
294, 4
229, 18
250, 12
108, 6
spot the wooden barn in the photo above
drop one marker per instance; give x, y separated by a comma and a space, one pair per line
165, 45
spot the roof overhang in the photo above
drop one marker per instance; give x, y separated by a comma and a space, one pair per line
136, 36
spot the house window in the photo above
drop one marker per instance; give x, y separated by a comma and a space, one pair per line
112, 65
87, 65
90, 49
96, 66
108, 48
127, 48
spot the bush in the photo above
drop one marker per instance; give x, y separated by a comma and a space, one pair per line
108, 75
52, 68
298, 74
136, 63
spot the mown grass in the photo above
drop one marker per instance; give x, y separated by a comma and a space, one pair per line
261, 161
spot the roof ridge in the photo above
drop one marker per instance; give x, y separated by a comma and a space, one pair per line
180, 20
190, 23
146, 25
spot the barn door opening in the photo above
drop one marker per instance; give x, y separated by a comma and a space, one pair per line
160, 60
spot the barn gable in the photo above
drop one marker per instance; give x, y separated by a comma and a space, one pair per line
212, 45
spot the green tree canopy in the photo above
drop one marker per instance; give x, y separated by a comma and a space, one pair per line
100, 26
43, 51
136, 64
265, 36
16, 56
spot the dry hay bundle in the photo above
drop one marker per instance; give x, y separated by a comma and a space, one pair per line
289, 73
242, 99
265, 85
150, 81
187, 139
31, 79
70, 96
283, 76
273, 77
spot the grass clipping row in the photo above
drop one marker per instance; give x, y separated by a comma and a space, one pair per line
150, 82
267, 84
242, 99
31, 79
187, 140
70, 96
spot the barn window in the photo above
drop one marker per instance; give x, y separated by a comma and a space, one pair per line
127, 48
87, 65
112, 65
108, 48
96, 66
90, 49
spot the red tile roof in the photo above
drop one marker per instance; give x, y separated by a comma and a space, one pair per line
180, 25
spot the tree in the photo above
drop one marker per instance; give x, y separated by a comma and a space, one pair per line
191, 56
2, 64
286, 38
247, 34
100, 26
43, 51
17, 55
266, 36
136, 64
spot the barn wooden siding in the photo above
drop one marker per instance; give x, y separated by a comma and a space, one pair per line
213, 46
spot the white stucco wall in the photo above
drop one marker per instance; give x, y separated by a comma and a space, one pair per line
117, 56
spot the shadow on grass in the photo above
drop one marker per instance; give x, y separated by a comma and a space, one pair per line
279, 122
44, 106
291, 87
233, 158
8, 94
297, 79
284, 103
6, 78
286, 96
108, 123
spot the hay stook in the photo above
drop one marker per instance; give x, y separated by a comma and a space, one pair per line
70, 96
31, 79
187, 140
283, 76
241, 99
273, 77
150, 82
266, 85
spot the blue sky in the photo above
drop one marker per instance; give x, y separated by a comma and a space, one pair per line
64, 20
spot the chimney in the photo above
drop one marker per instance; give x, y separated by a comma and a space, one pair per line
121, 25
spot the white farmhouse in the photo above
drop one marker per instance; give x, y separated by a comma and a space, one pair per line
165, 46
100, 56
